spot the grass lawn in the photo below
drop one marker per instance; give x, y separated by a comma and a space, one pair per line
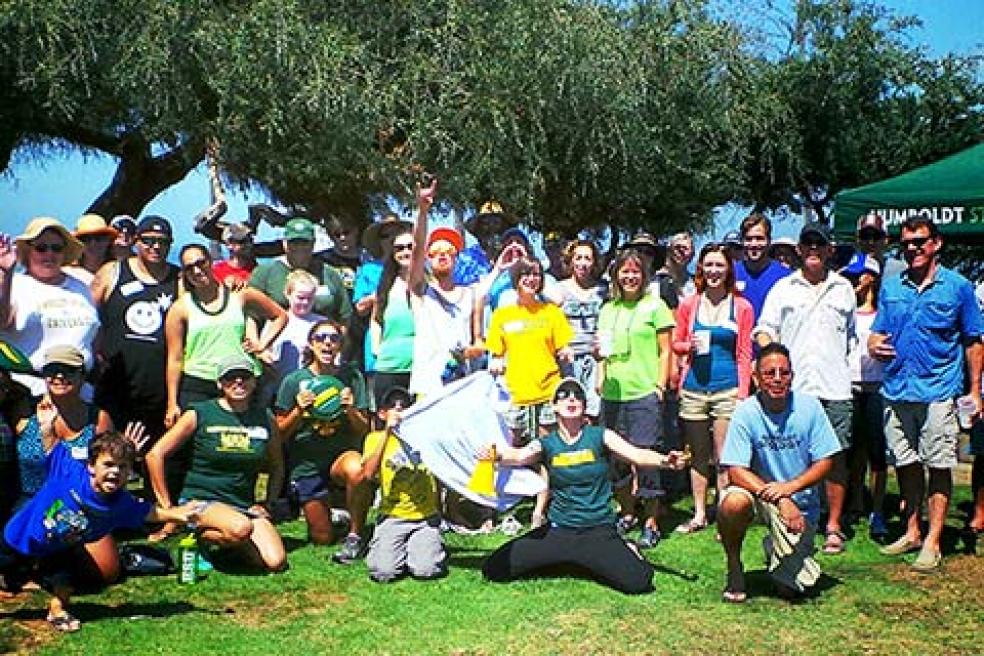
868, 604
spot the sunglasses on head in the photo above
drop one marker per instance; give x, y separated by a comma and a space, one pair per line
915, 242
565, 393
48, 248
163, 242
324, 338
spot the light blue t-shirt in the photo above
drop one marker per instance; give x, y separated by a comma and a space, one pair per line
781, 447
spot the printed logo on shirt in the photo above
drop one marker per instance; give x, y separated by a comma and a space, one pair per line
62, 524
237, 439
573, 458
145, 318
778, 442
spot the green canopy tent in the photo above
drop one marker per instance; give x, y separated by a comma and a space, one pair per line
950, 191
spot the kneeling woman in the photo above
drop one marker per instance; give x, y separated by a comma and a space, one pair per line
231, 438
581, 528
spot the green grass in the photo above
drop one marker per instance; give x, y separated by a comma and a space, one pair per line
869, 605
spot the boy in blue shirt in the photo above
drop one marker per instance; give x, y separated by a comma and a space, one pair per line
78, 503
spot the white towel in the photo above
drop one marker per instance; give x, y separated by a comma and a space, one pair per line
448, 429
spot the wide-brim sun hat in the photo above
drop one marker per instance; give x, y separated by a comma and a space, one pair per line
73, 247
94, 225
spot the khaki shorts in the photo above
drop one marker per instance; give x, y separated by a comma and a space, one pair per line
704, 406
789, 556
922, 433
526, 420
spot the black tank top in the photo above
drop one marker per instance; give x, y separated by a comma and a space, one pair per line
133, 332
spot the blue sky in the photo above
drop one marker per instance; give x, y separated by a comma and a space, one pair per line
63, 185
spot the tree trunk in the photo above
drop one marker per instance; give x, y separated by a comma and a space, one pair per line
140, 177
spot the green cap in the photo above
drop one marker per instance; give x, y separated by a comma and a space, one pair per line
299, 228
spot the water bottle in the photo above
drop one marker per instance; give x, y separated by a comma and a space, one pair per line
188, 560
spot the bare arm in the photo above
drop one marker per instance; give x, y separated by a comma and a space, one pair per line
642, 457
772, 492
663, 338
425, 199
259, 304
8, 259
509, 455
275, 455
175, 326
104, 281
371, 463
974, 353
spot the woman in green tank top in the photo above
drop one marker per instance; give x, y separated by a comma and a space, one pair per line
230, 438
580, 531
206, 325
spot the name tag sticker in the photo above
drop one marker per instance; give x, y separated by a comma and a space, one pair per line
80, 453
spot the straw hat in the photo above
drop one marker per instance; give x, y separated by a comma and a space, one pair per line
94, 225
73, 247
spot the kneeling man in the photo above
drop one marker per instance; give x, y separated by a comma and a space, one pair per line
779, 446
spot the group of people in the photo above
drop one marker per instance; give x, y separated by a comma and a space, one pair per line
764, 381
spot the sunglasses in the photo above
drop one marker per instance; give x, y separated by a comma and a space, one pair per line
60, 370
781, 374
813, 242
87, 238
48, 248
870, 235
236, 375
436, 252
402, 247
162, 242
565, 393
201, 264
915, 242
324, 338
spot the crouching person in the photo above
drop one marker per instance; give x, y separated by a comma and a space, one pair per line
407, 539
78, 503
778, 448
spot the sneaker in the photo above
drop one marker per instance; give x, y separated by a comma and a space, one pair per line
353, 548
625, 524
648, 537
510, 526
876, 526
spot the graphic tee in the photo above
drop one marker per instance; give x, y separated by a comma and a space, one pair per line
580, 487
409, 491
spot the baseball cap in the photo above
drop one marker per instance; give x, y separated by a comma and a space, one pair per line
233, 363
449, 235
515, 232
871, 222
816, 228
643, 240
394, 395
572, 384
299, 229
124, 223
237, 232
732, 238
861, 263
154, 223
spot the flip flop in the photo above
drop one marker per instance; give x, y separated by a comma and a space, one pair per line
734, 596
691, 526
64, 623
834, 544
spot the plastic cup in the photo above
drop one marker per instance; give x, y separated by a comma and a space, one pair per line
965, 412
606, 343
703, 339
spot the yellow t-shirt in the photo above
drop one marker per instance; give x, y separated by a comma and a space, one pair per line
408, 489
529, 337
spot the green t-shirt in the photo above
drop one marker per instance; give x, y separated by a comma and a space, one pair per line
318, 443
331, 300
581, 491
632, 371
228, 450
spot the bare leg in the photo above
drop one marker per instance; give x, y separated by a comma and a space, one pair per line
720, 432
696, 435
912, 486
318, 517
733, 518
269, 545
836, 487
940, 490
347, 469
106, 557
977, 486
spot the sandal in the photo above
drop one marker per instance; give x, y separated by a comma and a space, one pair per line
691, 526
65, 623
734, 596
834, 544
734, 590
